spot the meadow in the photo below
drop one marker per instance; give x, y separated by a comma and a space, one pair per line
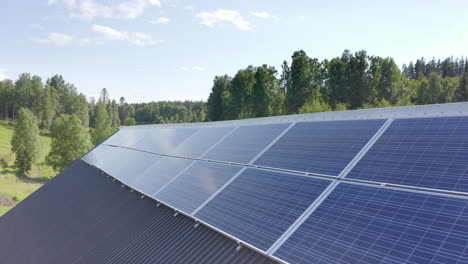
12, 186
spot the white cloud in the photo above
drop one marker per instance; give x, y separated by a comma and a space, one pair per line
137, 38
222, 15
183, 68
3, 74
51, 2
199, 68
263, 15
89, 9
58, 39
36, 26
161, 20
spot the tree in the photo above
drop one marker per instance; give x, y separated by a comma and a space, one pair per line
301, 78
70, 141
215, 102
7, 98
47, 107
129, 121
102, 128
462, 91
26, 141
264, 90
104, 97
241, 91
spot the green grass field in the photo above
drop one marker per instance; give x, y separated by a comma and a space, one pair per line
10, 184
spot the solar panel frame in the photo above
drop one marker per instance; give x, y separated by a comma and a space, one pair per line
245, 143
196, 184
421, 152
319, 152
397, 217
260, 205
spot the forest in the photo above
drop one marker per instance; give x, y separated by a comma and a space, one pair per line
352, 81
304, 85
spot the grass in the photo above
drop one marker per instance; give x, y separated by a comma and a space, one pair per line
10, 184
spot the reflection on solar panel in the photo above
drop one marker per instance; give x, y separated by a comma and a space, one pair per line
201, 141
258, 206
320, 147
123, 164
191, 188
245, 143
424, 152
159, 174
163, 140
126, 137
363, 224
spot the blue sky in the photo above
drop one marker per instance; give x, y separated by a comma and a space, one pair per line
149, 50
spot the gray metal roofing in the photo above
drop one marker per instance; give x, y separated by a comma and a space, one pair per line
83, 216
434, 110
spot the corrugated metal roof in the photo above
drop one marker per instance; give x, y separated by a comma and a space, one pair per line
82, 216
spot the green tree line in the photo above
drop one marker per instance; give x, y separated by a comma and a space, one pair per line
351, 81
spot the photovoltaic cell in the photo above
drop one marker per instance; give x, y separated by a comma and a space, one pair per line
159, 174
423, 152
163, 140
190, 189
201, 141
245, 143
364, 224
123, 164
259, 206
320, 147
126, 137
100, 156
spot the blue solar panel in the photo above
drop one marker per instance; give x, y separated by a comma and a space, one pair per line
245, 143
201, 141
423, 152
259, 206
159, 174
363, 224
320, 147
163, 140
190, 189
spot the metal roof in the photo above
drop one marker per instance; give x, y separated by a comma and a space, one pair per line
83, 216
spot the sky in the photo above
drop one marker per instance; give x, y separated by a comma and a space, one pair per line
152, 50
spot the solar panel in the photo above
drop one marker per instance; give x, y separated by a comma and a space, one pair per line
423, 152
245, 143
126, 137
201, 141
159, 174
99, 156
364, 224
163, 140
320, 147
190, 189
259, 206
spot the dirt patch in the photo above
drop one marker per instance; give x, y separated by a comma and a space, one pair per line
6, 201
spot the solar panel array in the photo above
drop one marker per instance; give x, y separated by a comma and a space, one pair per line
361, 191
